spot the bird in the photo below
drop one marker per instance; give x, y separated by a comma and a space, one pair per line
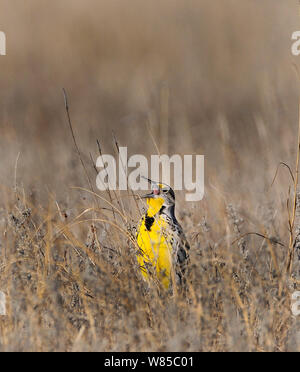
163, 247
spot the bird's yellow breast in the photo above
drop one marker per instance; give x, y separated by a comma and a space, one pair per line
155, 249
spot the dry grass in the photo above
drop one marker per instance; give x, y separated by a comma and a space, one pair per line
67, 262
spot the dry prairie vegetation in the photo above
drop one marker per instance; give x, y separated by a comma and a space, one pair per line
220, 77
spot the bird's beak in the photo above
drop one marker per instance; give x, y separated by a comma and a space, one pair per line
154, 193
148, 196
151, 183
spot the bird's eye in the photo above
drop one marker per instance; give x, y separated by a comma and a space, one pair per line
165, 191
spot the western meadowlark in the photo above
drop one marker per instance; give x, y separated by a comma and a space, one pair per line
163, 245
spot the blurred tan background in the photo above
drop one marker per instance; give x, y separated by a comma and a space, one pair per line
219, 72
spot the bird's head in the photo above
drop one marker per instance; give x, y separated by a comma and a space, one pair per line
161, 196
